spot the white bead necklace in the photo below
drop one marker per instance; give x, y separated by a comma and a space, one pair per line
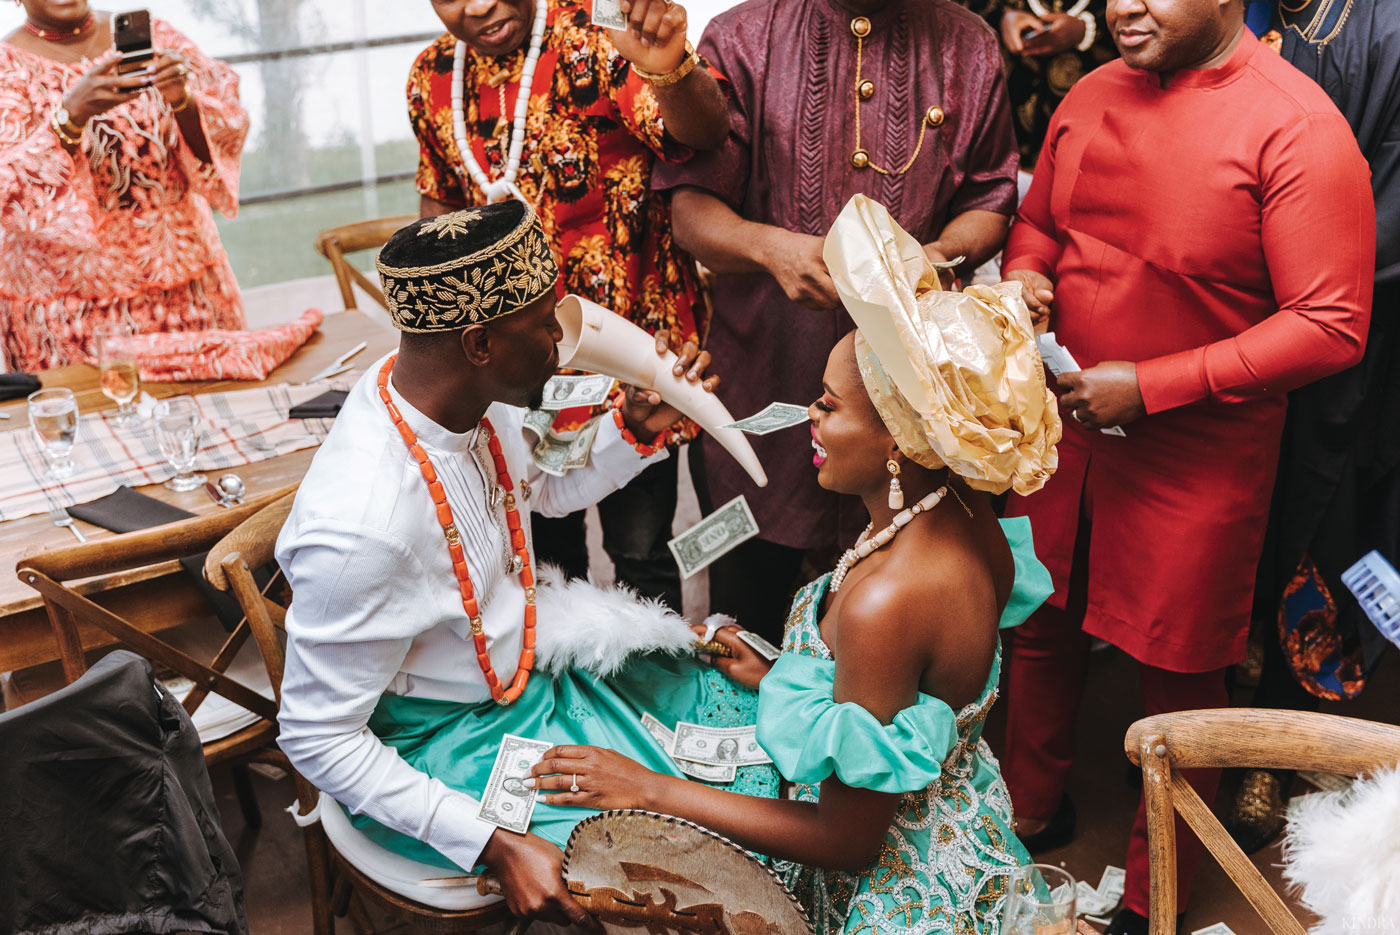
505, 185
868, 543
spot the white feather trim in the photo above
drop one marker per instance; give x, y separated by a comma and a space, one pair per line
582, 626
1342, 852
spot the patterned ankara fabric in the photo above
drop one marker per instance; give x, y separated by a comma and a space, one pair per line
466, 267
592, 134
123, 232
945, 862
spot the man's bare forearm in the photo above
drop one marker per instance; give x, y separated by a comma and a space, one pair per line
977, 235
716, 235
694, 110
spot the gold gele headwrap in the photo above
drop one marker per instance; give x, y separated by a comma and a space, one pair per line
955, 376
467, 267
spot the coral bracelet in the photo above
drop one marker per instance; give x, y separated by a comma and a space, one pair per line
646, 451
501, 694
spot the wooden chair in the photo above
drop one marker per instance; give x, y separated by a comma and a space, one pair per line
343, 864
1238, 737
334, 243
80, 623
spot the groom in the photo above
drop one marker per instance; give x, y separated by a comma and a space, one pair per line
409, 546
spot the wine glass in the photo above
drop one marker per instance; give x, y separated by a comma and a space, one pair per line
176, 422
116, 363
53, 414
1040, 901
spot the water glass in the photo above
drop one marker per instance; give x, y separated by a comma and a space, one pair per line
1040, 901
116, 363
53, 414
176, 421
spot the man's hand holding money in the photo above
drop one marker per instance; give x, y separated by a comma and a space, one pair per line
745, 666
530, 871
643, 412
653, 38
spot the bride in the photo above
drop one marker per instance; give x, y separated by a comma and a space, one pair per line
874, 710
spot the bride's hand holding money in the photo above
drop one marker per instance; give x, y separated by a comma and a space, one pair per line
643, 411
604, 779
745, 666
654, 39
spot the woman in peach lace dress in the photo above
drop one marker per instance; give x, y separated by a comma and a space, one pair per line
106, 182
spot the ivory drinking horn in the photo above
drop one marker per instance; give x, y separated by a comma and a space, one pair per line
601, 341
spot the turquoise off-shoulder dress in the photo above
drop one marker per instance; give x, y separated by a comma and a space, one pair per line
945, 861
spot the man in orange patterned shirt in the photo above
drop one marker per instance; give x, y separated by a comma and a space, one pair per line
603, 106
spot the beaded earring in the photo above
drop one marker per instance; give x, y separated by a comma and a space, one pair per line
896, 491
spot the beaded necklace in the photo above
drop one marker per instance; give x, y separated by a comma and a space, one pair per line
869, 543
505, 185
499, 693
52, 34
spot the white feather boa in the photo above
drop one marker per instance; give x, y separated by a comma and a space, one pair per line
582, 626
1342, 852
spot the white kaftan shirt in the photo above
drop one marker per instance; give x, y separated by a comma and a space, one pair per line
376, 606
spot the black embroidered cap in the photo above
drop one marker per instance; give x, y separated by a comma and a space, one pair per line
446, 272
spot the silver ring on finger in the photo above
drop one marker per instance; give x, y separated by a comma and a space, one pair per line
1076, 415
181, 69
574, 787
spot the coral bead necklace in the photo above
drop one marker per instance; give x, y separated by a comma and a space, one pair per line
499, 693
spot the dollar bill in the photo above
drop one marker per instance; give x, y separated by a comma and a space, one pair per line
556, 455
539, 421
666, 737
608, 13
1088, 901
1111, 884
1327, 782
714, 535
1219, 928
759, 645
776, 416
717, 746
567, 392
1059, 360
506, 802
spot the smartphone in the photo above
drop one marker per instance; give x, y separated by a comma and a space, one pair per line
131, 36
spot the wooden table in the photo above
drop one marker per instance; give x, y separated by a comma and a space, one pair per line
154, 595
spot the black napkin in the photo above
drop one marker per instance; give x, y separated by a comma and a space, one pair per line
126, 510
17, 385
325, 406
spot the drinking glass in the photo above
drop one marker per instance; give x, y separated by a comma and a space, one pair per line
53, 414
1040, 901
116, 363
176, 422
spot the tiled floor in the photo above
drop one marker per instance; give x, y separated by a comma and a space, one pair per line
274, 866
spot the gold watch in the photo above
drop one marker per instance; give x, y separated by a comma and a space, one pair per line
676, 74
69, 132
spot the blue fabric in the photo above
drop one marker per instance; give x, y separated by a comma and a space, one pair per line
1257, 14
1033, 584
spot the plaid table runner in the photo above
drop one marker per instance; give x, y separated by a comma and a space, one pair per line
238, 427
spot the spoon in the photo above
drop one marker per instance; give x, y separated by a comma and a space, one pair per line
232, 487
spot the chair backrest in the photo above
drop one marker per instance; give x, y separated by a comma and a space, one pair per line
1234, 737
59, 575
336, 242
229, 568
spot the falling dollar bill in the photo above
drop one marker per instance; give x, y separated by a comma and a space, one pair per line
759, 645
556, 455
608, 13
666, 737
507, 802
567, 392
714, 535
539, 421
1219, 928
776, 416
718, 746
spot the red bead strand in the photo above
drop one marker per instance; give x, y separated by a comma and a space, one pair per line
438, 494
646, 451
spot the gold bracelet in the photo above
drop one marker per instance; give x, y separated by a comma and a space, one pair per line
678, 73
184, 101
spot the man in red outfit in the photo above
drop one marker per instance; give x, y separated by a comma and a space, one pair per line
1201, 233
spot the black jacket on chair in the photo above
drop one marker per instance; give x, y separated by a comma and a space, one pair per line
107, 820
